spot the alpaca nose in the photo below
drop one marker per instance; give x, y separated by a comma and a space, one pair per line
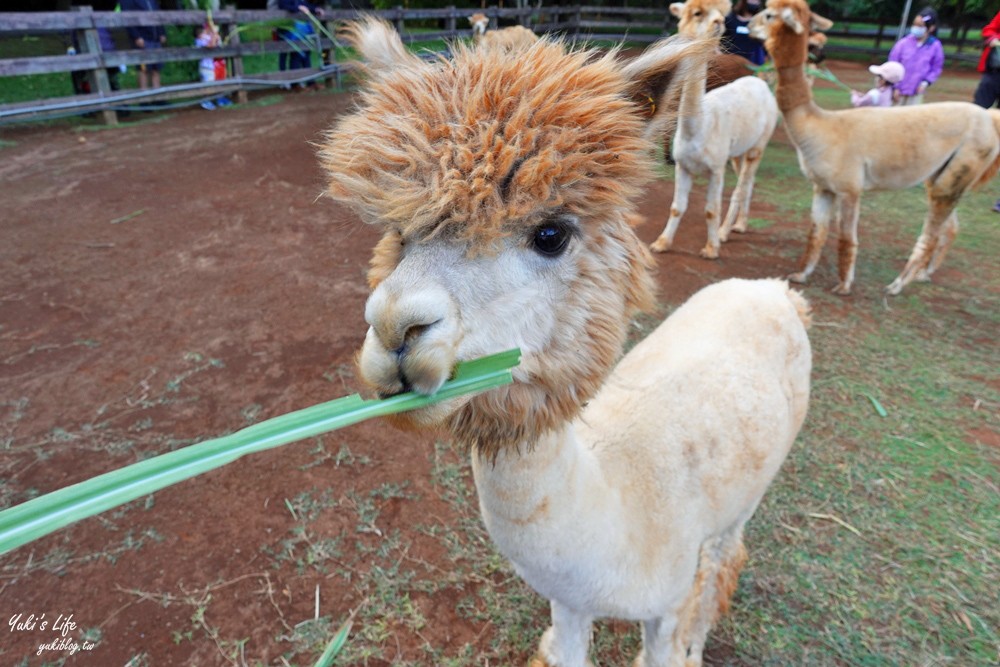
413, 338
400, 320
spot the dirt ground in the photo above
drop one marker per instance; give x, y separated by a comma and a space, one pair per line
179, 278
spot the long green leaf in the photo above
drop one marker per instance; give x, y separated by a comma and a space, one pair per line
46, 514
335, 645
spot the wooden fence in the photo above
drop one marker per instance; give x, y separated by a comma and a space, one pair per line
634, 24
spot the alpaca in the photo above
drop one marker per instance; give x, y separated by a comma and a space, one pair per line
949, 146
514, 37
505, 185
733, 122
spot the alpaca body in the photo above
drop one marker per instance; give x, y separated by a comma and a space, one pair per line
949, 146
607, 514
733, 122
505, 184
869, 162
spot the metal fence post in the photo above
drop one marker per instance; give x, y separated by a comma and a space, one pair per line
98, 77
332, 59
399, 20
234, 38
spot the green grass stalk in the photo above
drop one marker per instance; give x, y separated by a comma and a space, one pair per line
43, 515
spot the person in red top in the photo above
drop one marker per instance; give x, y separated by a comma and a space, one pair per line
988, 91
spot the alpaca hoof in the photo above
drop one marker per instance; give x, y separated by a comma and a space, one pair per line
740, 228
709, 252
894, 288
922, 276
660, 245
799, 278
723, 236
842, 290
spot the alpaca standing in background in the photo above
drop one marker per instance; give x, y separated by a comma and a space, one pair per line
514, 37
948, 146
733, 122
505, 185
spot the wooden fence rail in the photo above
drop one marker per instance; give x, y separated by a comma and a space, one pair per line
636, 24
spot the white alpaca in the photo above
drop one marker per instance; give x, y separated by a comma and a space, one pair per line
505, 188
949, 146
733, 122
512, 37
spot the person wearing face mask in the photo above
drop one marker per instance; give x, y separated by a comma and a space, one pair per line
922, 56
736, 39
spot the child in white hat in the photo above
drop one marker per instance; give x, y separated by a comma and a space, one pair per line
886, 76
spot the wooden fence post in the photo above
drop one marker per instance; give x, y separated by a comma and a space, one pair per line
450, 23
577, 19
234, 39
91, 43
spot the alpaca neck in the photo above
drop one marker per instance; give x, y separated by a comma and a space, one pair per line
536, 491
692, 99
793, 89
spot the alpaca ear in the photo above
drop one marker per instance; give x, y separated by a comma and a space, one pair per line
656, 76
379, 44
817, 22
817, 39
792, 21
676, 8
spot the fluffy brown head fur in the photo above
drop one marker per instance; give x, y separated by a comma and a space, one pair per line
482, 144
789, 40
701, 18
483, 148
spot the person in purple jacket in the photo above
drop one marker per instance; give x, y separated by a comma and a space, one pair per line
922, 55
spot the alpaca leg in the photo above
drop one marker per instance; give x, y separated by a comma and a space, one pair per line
733, 210
847, 249
713, 205
567, 642
751, 162
682, 188
945, 239
659, 648
728, 559
823, 205
940, 211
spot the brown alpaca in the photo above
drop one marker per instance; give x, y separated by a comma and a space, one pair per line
505, 184
949, 146
514, 37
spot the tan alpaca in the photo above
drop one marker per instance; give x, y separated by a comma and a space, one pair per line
505, 185
514, 37
949, 146
733, 122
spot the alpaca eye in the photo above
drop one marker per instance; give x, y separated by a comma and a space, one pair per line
551, 238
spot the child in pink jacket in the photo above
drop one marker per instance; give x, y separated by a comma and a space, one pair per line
887, 75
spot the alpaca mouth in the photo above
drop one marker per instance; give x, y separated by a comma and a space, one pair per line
404, 387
